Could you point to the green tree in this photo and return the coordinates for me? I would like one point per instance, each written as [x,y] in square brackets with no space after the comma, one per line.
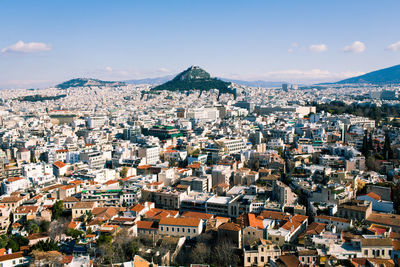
[13,245]
[387,148]
[3,241]
[74,233]
[123,173]
[33,228]
[105,239]
[57,210]
[44,226]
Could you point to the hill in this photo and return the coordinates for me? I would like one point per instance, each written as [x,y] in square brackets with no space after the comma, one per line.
[83,82]
[195,78]
[389,75]
[152,81]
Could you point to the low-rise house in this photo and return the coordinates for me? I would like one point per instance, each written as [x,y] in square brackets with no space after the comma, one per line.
[253,227]
[230,232]
[25,213]
[185,227]
[376,247]
[385,219]
[12,202]
[357,209]
[146,228]
[339,223]
[309,257]
[260,253]
[378,204]
[81,209]
[14,259]
[69,202]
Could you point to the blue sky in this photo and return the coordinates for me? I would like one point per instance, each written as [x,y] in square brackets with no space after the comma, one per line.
[46,42]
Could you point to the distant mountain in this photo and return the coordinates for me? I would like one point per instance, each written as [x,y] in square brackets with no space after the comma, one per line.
[83,82]
[389,75]
[195,78]
[151,81]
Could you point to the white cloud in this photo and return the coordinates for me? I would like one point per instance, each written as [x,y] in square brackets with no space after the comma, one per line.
[318,48]
[108,68]
[355,47]
[293,47]
[394,47]
[21,47]
[164,70]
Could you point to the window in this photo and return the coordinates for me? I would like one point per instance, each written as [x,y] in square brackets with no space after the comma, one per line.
[383,252]
[248,259]
[162,228]
[262,258]
[194,231]
[167,229]
[183,230]
[177,229]
[188,230]
[366,252]
[172,229]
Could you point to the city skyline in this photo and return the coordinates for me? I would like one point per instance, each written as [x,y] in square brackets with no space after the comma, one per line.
[46,43]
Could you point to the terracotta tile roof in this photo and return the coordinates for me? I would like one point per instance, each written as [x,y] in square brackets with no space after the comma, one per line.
[37,236]
[11,199]
[255,222]
[76,182]
[376,242]
[149,225]
[194,165]
[275,215]
[59,164]
[140,262]
[67,259]
[194,222]
[396,244]
[137,208]
[11,256]
[289,260]
[110,182]
[27,209]
[374,196]
[200,215]
[105,212]
[230,227]
[382,262]
[70,199]
[308,252]
[155,213]
[314,229]
[144,167]
[14,179]
[332,218]
[384,219]
[66,187]
[84,205]
[73,225]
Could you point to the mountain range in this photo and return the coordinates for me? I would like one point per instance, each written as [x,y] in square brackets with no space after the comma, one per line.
[389,75]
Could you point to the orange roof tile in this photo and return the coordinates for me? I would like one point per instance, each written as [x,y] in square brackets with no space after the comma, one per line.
[181,221]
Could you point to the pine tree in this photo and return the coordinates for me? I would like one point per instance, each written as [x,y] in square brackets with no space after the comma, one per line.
[387,149]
